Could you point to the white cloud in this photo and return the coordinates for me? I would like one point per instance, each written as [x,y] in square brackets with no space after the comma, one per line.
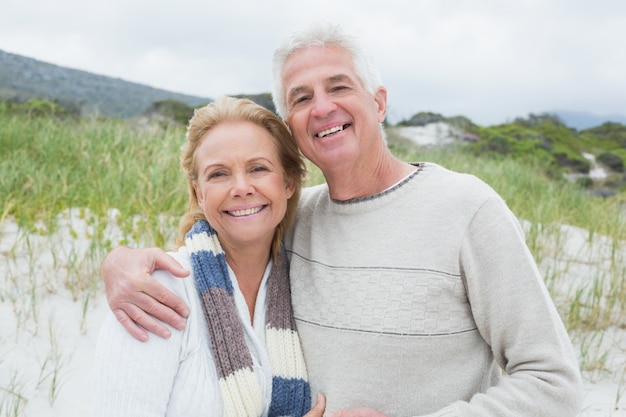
[489,60]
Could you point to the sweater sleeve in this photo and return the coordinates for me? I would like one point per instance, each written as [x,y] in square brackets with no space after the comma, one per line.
[517,318]
[134,378]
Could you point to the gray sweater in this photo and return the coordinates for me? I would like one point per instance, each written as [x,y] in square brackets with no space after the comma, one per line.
[425,300]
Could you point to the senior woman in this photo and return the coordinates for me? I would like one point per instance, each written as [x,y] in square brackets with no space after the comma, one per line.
[239,354]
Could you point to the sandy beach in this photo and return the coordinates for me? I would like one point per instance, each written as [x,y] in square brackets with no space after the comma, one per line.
[52,305]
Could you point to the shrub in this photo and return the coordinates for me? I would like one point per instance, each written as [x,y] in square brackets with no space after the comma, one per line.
[36,107]
[170,110]
[611,160]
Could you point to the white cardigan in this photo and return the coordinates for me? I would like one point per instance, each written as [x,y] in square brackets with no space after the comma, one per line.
[177,376]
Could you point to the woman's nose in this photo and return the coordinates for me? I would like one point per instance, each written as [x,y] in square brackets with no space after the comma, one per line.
[242,186]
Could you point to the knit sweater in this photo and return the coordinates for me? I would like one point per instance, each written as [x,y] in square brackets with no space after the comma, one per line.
[175,376]
[424,300]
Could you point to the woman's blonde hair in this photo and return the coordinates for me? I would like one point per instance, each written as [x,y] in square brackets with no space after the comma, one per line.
[244,110]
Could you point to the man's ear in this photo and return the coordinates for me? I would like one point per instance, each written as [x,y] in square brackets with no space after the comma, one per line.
[381,100]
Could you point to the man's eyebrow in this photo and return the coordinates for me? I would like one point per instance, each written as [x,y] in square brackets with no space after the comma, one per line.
[339,78]
[295,91]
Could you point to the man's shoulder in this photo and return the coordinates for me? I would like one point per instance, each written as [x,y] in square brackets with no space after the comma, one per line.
[463,183]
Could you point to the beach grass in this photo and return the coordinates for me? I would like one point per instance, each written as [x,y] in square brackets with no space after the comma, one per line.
[75,189]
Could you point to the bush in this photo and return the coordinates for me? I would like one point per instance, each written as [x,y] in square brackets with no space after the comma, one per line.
[580,165]
[36,107]
[498,144]
[611,160]
[584,182]
[422,119]
[171,110]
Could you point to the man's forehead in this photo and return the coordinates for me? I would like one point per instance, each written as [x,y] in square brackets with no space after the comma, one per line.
[329,79]
[317,55]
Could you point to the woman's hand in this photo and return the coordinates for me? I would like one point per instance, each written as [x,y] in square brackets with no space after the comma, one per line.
[318,409]
[138,300]
[356,412]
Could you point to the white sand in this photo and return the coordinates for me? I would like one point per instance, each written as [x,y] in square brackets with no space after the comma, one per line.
[432,134]
[48,331]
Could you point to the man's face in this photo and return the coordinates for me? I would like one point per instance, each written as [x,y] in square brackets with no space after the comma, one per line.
[332,117]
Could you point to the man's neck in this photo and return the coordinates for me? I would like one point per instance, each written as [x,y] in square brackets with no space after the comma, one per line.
[353,183]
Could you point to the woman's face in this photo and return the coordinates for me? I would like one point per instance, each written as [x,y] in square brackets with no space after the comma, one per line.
[241,187]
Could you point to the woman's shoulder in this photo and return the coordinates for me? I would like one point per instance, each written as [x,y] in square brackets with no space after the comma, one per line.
[179,286]
[313,193]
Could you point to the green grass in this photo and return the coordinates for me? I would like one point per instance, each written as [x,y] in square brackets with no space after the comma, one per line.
[49,165]
[127,174]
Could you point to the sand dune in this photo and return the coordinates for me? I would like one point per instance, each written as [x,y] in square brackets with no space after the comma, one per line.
[52,305]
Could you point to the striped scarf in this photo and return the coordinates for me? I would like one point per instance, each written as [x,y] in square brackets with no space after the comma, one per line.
[291,394]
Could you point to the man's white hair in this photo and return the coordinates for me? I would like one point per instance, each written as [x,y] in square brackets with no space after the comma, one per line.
[320,35]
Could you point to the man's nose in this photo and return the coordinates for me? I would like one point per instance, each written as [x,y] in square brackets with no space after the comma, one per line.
[322,105]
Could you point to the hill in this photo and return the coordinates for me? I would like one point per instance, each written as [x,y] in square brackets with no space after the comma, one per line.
[592,157]
[23,78]
[551,138]
[582,120]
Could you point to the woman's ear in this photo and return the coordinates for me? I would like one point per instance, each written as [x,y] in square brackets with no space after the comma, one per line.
[196,190]
[290,187]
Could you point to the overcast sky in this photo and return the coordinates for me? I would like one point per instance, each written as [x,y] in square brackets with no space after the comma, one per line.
[489,60]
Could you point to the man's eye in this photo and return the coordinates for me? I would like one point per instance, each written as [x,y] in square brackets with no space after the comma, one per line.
[339,88]
[301,99]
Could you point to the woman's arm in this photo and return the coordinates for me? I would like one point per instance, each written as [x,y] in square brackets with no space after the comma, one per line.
[133,378]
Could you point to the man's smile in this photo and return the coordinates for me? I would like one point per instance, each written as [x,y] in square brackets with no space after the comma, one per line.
[332,130]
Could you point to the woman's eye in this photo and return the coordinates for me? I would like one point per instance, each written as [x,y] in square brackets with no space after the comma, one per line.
[259,168]
[215,174]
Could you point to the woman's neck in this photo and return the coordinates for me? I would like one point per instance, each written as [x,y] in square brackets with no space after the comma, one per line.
[249,267]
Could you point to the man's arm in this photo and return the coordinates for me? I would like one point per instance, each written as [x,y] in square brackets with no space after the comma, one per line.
[138,300]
